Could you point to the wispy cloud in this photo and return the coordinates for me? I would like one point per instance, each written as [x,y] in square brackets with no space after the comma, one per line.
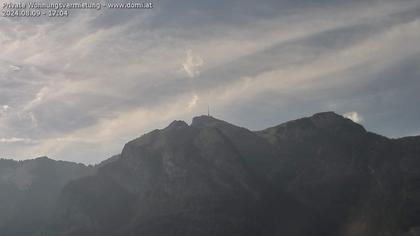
[192,64]
[84,85]
[5,108]
[193,102]
[16,140]
[14,68]
[354,116]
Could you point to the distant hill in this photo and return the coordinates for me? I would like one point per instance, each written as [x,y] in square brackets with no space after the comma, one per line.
[29,190]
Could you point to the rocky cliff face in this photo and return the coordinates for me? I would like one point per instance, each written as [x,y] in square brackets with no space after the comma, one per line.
[29,190]
[321,175]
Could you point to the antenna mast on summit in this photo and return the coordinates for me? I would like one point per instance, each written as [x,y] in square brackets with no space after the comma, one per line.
[208,110]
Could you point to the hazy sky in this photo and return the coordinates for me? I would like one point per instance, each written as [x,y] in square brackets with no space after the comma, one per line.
[79,87]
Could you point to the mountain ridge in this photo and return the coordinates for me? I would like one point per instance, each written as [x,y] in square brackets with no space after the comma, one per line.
[318,175]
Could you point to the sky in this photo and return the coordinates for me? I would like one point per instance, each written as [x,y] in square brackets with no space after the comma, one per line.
[78,88]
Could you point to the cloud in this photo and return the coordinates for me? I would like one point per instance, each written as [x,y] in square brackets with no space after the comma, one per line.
[14,68]
[5,108]
[354,116]
[15,140]
[85,85]
[193,102]
[192,64]
[39,97]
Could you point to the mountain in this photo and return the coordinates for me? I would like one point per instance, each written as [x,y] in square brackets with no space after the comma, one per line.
[29,190]
[109,160]
[319,175]
[367,184]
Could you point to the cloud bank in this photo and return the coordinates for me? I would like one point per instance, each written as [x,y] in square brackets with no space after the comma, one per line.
[78,88]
